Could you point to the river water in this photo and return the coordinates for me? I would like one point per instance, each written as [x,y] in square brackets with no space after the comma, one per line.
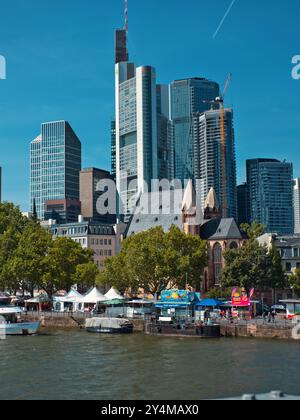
[77,365]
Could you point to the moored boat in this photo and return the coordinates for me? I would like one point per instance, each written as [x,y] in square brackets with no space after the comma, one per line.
[109,325]
[11,323]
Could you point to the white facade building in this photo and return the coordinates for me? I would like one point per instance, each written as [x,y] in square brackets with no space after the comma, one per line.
[296,204]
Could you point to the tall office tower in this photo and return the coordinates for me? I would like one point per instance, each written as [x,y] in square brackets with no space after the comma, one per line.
[55,163]
[90,192]
[113,149]
[242,199]
[187,97]
[121,50]
[208,167]
[164,133]
[270,194]
[296,187]
[136,133]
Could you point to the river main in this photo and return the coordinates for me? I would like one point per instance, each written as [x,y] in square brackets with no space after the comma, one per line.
[77,365]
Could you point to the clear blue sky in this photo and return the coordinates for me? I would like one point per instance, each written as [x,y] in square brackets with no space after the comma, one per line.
[60,66]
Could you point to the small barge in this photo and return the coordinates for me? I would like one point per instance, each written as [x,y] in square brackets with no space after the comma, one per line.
[177,329]
[108,325]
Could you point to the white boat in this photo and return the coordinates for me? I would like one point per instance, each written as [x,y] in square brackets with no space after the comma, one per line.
[109,325]
[11,323]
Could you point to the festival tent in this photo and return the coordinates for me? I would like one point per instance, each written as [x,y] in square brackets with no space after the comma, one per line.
[70,301]
[94,296]
[114,294]
[91,299]
[39,303]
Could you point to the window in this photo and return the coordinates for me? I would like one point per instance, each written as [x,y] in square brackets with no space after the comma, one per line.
[288,267]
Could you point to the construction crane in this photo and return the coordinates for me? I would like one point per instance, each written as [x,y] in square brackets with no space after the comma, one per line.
[220,101]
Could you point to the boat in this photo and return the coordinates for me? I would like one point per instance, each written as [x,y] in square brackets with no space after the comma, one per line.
[11,323]
[108,325]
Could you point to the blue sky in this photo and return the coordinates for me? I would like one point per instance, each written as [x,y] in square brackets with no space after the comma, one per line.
[60,65]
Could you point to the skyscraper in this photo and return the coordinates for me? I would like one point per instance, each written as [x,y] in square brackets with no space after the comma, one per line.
[55,163]
[113,148]
[136,127]
[90,193]
[242,198]
[208,168]
[164,133]
[296,190]
[187,97]
[270,196]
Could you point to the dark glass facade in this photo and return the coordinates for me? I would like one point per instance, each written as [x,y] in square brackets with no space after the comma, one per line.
[55,163]
[270,194]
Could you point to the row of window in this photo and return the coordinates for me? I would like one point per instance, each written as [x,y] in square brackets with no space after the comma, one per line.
[103,252]
[101,241]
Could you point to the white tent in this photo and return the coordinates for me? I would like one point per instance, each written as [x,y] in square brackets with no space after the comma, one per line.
[70,300]
[93,297]
[114,294]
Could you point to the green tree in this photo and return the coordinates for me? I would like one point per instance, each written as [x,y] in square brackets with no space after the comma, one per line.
[294,281]
[217,293]
[61,265]
[154,260]
[253,231]
[28,262]
[277,278]
[249,266]
[12,224]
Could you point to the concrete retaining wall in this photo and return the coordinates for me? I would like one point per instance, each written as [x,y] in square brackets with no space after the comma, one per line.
[258,331]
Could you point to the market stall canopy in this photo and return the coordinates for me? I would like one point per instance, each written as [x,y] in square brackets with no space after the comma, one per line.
[113,302]
[210,303]
[114,294]
[72,297]
[43,298]
[94,296]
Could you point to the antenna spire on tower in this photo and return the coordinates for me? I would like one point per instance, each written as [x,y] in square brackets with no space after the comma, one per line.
[126,15]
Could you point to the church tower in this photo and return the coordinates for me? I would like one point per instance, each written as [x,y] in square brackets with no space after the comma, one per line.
[212,209]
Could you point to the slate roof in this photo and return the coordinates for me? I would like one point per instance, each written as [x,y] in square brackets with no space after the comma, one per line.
[157,209]
[287,241]
[220,229]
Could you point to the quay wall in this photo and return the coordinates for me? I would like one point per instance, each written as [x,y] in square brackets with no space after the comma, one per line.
[254,330]
[258,331]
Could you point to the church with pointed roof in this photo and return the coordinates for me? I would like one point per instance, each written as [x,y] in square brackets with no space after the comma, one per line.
[180,208]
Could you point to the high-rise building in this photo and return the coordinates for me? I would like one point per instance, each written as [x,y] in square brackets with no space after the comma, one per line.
[187,97]
[242,199]
[113,149]
[208,167]
[55,163]
[90,192]
[164,133]
[136,133]
[296,206]
[270,195]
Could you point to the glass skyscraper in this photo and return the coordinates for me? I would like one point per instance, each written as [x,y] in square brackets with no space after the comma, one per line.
[270,194]
[208,167]
[187,97]
[55,164]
